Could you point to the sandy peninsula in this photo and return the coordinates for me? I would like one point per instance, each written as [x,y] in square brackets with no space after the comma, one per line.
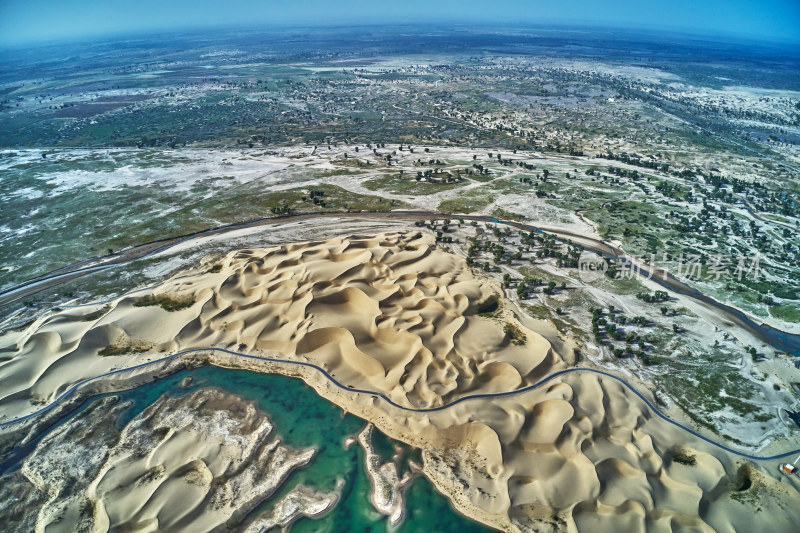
[196,463]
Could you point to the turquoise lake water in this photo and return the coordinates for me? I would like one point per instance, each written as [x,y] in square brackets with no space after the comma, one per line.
[302,419]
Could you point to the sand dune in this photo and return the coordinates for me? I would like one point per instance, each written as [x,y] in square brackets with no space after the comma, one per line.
[184,464]
[393,314]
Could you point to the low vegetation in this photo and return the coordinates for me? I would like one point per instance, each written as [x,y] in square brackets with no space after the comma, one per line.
[748,487]
[167,302]
[410,185]
[123,349]
[469,202]
[515,335]
[683,457]
[94,315]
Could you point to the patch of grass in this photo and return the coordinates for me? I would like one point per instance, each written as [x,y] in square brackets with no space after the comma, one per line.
[652,360]
[160,432]
[94,315]
[748,487]
[789,313]
[515,334]
[151,475]
[542,312]
[331,198]
[537,311]
[216,268]
[763,417]
[122,349]
[167,302]
[502,214]
[622,286]
[469,202]
[542,274]
[483,178]
[683,457]
[697,388]
[408,185]
[338,172]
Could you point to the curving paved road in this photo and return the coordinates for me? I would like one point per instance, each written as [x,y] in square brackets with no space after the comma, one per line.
[388,400]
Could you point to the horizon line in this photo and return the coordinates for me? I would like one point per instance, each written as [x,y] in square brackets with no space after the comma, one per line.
[454,24]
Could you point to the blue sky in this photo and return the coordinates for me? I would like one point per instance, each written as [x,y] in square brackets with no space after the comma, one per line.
[29,21]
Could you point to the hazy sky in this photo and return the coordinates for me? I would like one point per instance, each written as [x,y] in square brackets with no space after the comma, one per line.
[27,21]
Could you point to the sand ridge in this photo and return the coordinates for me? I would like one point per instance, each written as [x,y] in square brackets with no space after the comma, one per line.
[393,314]
[390,313]
[194,463]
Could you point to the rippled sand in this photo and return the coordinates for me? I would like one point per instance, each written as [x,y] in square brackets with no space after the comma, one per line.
[393,314]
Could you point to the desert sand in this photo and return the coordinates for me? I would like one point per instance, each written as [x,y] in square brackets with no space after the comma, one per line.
[184,464]
[394,315]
